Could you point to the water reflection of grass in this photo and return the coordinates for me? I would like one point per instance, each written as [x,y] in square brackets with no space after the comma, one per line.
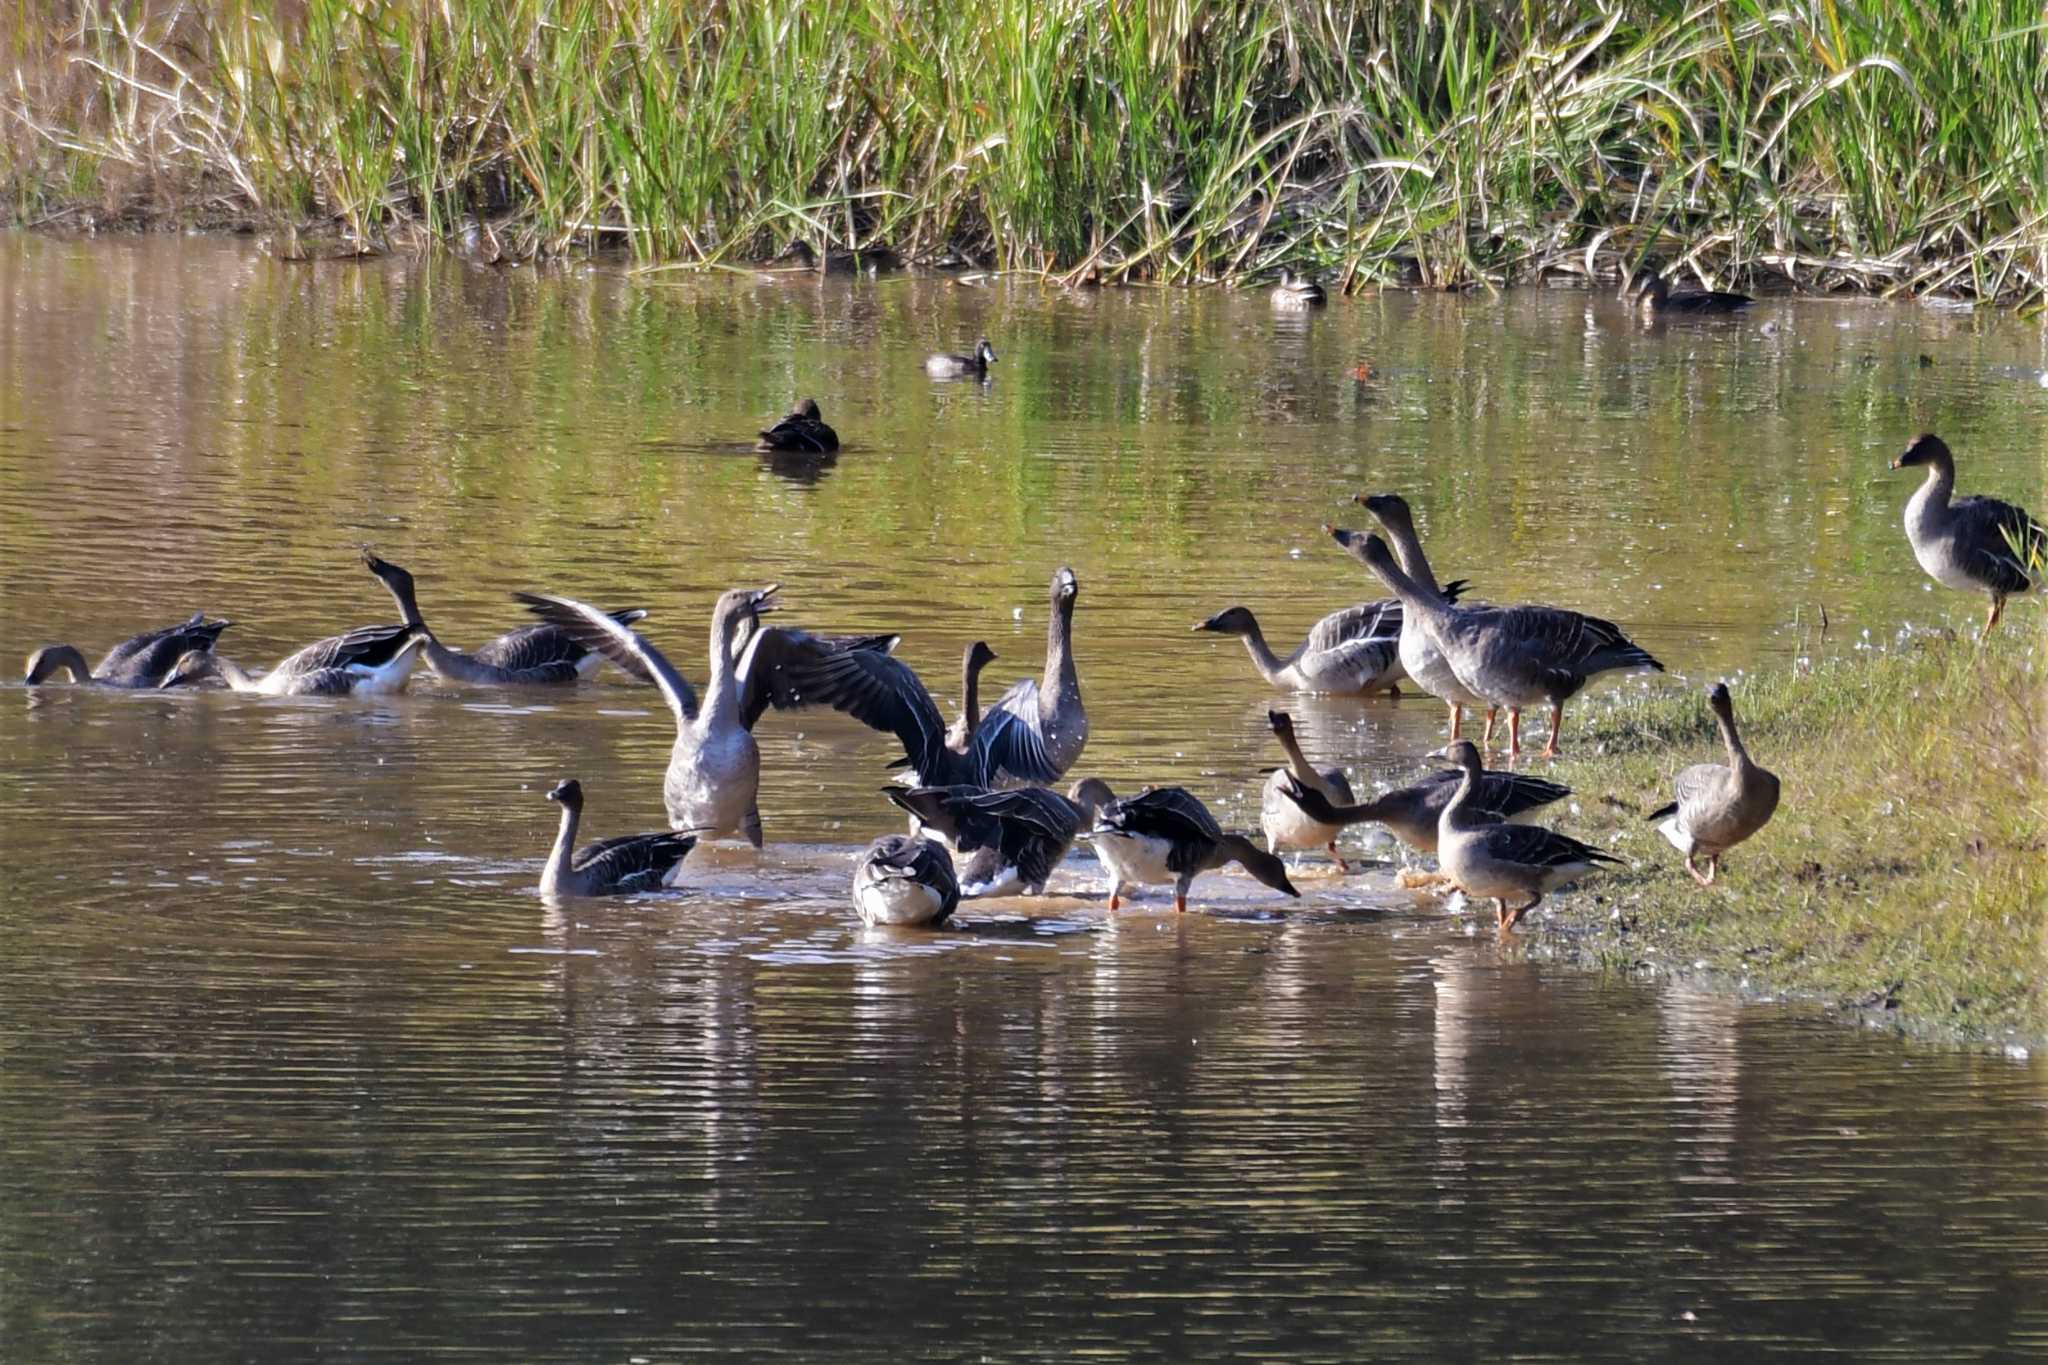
[1870,146]
[1908,866]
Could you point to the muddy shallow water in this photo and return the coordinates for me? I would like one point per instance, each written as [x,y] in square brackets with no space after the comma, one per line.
[294,1063]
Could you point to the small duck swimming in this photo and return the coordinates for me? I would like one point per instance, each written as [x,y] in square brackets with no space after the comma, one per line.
[946,365]
[1296,292]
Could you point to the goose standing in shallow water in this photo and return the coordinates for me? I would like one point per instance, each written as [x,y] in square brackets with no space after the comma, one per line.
[1411,813]
[1967,543]
[1164,834]
[1500,862]
[947,365]
[1282,819]
[1039,727]
[801,429]
[1421,660]
[143,660]
[1719,805]
[902,879]
[1348,653]
[1512,656]
[1012,839]
[609,867]
[537,654]
[368,661]
[1296,292]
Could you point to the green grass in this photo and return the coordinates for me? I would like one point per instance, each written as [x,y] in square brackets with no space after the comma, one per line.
[1906,868]
[1874,147]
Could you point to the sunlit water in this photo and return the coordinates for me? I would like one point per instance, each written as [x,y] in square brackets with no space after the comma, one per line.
[295,1065]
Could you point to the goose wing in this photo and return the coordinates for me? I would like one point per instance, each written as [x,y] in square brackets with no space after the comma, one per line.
[633,862]
[594,629]
[1366,621]
[1008,744]
[363,647]
[1988,529]
[1535,846]
[1170,813]
[547,651]
[776,663]
[1571,642]
[789,668]
[148,657]
[1041,808]
[1509,794]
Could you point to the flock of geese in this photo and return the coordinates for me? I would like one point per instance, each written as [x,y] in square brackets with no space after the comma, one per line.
[987,812]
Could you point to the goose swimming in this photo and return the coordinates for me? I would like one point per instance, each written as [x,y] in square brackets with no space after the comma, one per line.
[365,662]
[143,660]
[802,428]
[609,867]
[1348,653]
[902,879]
[536,654]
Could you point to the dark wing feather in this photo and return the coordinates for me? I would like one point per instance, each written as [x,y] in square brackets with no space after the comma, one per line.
[924,861]
[542,647]
[1988,528]
[633,862]
[788,668]
[1535,846]
[363,647]
[1366,621]
[630,650]
[1008,744]
[777,667]
[1041,808]
[1510,794]
[1572,642]
[1170,813]
[144,660]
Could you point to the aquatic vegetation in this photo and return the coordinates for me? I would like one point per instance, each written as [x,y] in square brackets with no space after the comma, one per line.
[1187,141]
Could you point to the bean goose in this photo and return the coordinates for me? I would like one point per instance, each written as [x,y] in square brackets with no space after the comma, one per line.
[1012,840]
[1421,660]
[947,365]
[1411,813]
[1164,834]
[902,879]
[1719,805]
[1284,822]
[539,654]
[1296,292]
[714,771]
[1969,543]
[1039,727]
[609,867]
[1500,862]
[1512,656]
[368,661]
[885,694]
[143,660]
[1655,298]
[801,429]
[1348,653]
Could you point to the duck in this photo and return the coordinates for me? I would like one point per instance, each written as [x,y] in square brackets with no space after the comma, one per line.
[1424,664]
[947,365]
[609,867]
[1165,834]
[1719,804]
[1969,543]
[1492,860]
[1654,297]
[1013,838]
[1039,727]
[903,879]
[1348,653]
[143,660]
[537,654]
[1282,820]
[1512,656]
[714,772]
[801,429]
[1411,813]
[885,694]
[369,661]
[1296,292]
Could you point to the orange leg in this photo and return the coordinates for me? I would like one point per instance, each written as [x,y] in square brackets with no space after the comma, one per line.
[1997,610]
[1180,903]
[1713,867]
[1693,868]
[1556,724]
[1516,917]
[1514,731]
[1457,714]
[1338,858]
[1116,896]
[1500,915]
[1486,740]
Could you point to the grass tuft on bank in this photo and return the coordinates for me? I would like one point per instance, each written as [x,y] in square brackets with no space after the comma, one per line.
[1877,147]
[1906,871]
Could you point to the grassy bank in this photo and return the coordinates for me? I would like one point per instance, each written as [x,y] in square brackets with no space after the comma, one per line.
[1871,147]
[1906,870]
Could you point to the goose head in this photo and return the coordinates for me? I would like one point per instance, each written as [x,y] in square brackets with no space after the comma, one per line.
[1065,588]
[1230,621]
[1720,701]
[52,658]
[194,665]
[1463,754]
[1282,724]
[984,352]
[1390,508]
[1368,550]
[979,656]
[1091,794]
[808,410]
[1927,448]
[569,792]
[393,576]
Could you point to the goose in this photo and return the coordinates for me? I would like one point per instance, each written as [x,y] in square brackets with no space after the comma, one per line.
[1968,543]
[1512,656]
[1348,653]
[540,654]
[1500,862]
[884,693]
[801,429]
[1039,727]
[714,770]
[946,365]
[1719,805]
[1164,834]
[1295,292]
[902,879]
[368,661]
[1411,813]
[1654,297]
[1284,822]
[143,660]
[1013,838]
[609,867]
[1421,660]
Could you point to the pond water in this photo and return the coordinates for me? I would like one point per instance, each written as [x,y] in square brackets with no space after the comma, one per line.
[295,1065]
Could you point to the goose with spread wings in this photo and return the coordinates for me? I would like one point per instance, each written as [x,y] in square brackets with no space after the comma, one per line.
[884,693]
[1011,840]
[539,654]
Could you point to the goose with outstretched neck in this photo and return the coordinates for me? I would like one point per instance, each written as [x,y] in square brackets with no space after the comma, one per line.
[609,867]
[1514,657]
[1972,544]
[1718,805]
[1281,818]
[368,661]
[1489,860]
[143,660]
[1166,835]
[539,654]
[1411,813]
[1039,727]
[1421,660]
[1348,653]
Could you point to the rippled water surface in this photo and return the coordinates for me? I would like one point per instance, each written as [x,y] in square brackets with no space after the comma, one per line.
[295,1065]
